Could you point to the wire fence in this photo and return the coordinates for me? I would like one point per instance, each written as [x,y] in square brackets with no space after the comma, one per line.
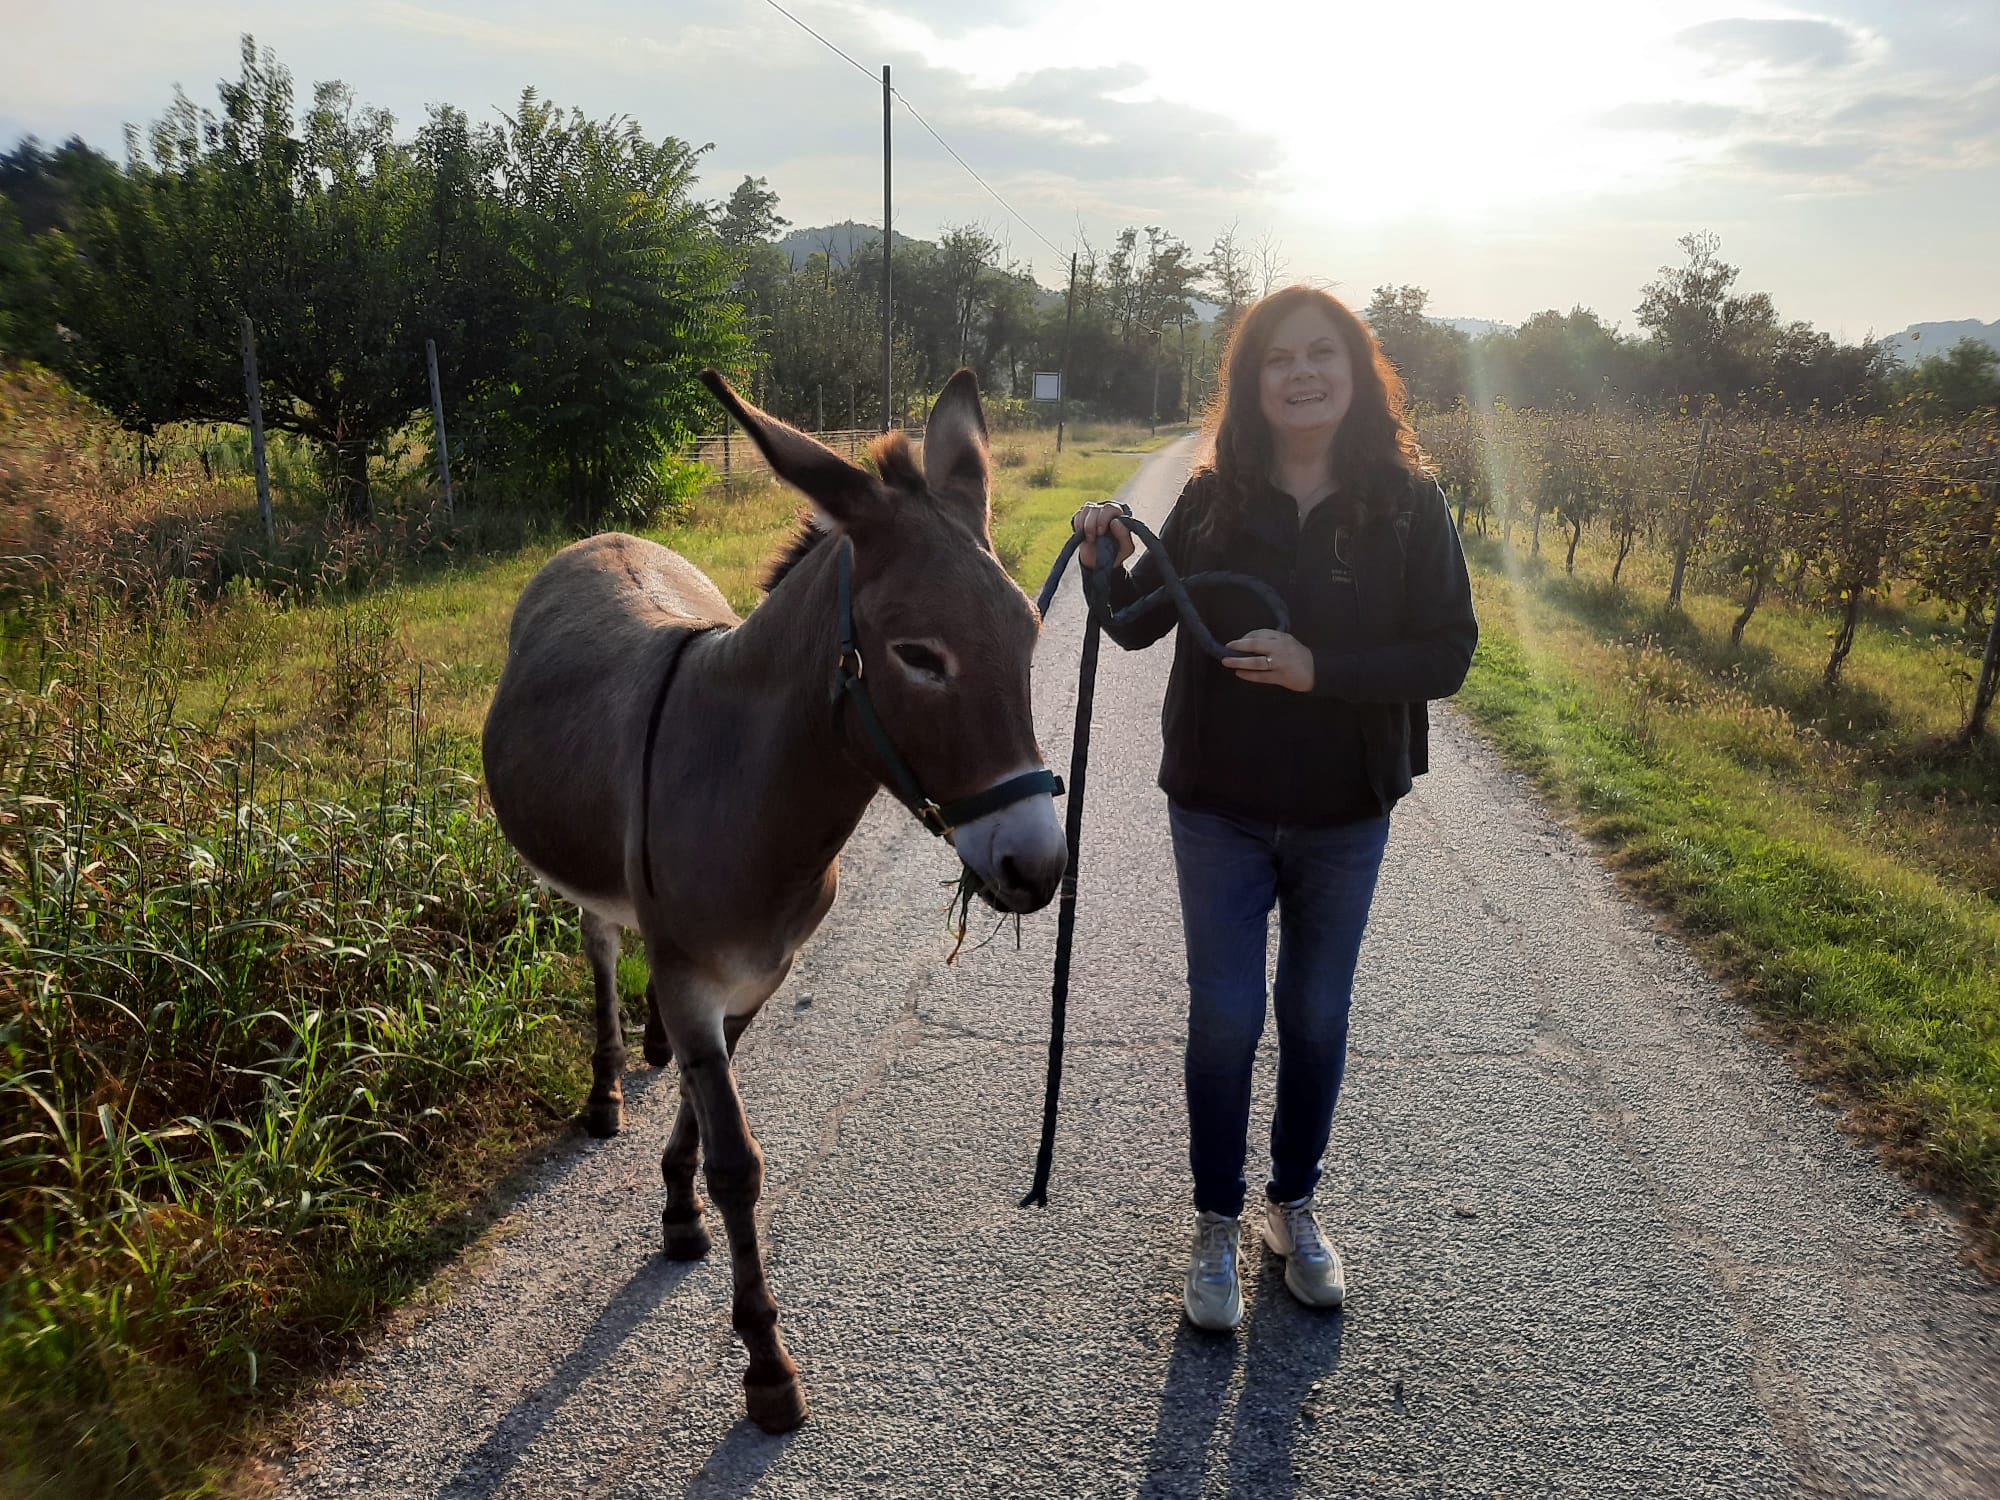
[731,455]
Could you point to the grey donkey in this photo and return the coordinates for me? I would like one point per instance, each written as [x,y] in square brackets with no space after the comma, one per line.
[672,768]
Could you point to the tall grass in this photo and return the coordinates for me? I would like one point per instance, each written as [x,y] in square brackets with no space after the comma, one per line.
[239,1018]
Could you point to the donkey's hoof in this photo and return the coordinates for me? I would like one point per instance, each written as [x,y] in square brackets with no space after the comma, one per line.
[658,1052]
[776,1408]
[604,1118]
[683,1239]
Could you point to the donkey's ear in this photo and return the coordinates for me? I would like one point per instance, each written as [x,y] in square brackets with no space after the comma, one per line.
[843,494]
[956,466]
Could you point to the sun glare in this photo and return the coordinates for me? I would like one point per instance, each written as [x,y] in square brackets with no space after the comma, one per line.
[1447,107]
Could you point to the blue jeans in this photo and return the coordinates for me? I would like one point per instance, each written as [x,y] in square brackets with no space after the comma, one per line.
[1232,870]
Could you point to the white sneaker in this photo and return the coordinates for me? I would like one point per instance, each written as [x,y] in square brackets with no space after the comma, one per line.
[1313,1272]
[1214,1293]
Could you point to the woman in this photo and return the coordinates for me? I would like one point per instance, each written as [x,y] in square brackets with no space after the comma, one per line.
[1282,762]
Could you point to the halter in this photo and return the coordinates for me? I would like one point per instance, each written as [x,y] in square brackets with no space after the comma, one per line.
[850,686]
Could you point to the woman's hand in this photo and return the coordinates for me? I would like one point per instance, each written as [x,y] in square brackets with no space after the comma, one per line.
[1272,657]
[1100,518]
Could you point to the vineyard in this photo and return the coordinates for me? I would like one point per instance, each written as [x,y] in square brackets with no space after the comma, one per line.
[1824,513]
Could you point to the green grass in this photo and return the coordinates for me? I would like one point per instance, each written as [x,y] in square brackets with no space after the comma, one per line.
[277,1003]
[1824,851]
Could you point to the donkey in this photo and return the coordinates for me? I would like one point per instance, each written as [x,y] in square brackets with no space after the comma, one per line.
[672,768]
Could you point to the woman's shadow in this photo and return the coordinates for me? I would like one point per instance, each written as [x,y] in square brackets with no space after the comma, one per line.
[1285,1350]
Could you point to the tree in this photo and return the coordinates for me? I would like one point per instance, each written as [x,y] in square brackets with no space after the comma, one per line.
[1229,280]
[1429,356]
[1564,360]
[1957,383]
[624,294]
[749,216]
[50,188]
[345,247]
[1809,369]
[27,309]
[1711,341]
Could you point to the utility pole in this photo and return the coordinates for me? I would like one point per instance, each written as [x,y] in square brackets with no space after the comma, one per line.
[1156,381]
[1187,386]
[1062,380]
[888,257]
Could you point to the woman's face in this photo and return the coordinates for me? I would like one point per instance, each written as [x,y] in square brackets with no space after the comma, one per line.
[1307,379]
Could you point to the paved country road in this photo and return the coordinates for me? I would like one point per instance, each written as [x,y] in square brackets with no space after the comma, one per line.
[1600,1241]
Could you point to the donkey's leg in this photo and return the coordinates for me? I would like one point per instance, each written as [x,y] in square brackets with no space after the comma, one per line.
[683,1235]
[659,1051]
[735,1169]
[604,1112]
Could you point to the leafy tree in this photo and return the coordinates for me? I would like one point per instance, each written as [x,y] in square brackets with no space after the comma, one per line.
[1429,356]
[27,310]
[344,247]
[1711,341]
[1810,369]
[49,188]
[624,293]
[749,216]
[1230,279]
[1565,360]
[1957,383]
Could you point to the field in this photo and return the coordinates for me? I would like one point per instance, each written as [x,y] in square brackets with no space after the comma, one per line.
[1830,841]
[278,1005]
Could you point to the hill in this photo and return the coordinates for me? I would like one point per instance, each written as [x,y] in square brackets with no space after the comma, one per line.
[1921,340]
[838,241]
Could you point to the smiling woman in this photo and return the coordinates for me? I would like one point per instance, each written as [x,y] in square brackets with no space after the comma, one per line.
[1284,759]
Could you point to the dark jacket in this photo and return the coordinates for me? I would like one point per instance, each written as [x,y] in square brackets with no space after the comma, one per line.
[1385,607]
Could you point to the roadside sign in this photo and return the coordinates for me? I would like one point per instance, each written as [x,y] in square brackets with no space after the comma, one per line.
[1048,385]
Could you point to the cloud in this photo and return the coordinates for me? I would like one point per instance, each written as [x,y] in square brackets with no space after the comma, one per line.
[1683,117]
[955,18]
[1789,43]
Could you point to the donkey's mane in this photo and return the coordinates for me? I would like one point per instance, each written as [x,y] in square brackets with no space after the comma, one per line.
[896,465]
[805,537]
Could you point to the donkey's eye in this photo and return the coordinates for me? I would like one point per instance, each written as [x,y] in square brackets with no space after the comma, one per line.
[921,659]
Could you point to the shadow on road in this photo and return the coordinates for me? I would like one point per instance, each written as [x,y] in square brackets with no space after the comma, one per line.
[737,1463]
[486,1470]
[1284,1350]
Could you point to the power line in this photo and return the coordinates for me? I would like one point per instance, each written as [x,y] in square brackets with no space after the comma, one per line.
[1019,217]
[821,40]
[975,176]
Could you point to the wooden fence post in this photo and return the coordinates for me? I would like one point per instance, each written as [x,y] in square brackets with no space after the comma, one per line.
[437,423]
[250,389]
[1686,543]
[725,456]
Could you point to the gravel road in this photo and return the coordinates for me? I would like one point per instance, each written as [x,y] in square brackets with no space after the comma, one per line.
[1600,1240]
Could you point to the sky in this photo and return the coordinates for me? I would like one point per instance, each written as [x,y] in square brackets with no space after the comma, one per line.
[1508,158]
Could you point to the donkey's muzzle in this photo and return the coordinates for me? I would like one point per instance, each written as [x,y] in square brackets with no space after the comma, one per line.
[1019,854]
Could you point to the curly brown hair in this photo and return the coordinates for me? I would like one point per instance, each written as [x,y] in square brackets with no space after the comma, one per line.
[1375,453]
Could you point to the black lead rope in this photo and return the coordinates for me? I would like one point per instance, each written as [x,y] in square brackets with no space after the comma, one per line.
[1097,595]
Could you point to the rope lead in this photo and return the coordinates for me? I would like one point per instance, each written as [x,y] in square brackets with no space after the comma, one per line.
[1097,595]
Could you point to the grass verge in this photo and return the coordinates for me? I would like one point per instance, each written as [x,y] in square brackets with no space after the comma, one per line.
[1763,819]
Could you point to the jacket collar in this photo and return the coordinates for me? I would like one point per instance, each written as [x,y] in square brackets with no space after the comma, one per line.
[1272,516]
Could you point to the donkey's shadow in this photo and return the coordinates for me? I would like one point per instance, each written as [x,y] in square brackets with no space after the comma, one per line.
[1285,1350]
